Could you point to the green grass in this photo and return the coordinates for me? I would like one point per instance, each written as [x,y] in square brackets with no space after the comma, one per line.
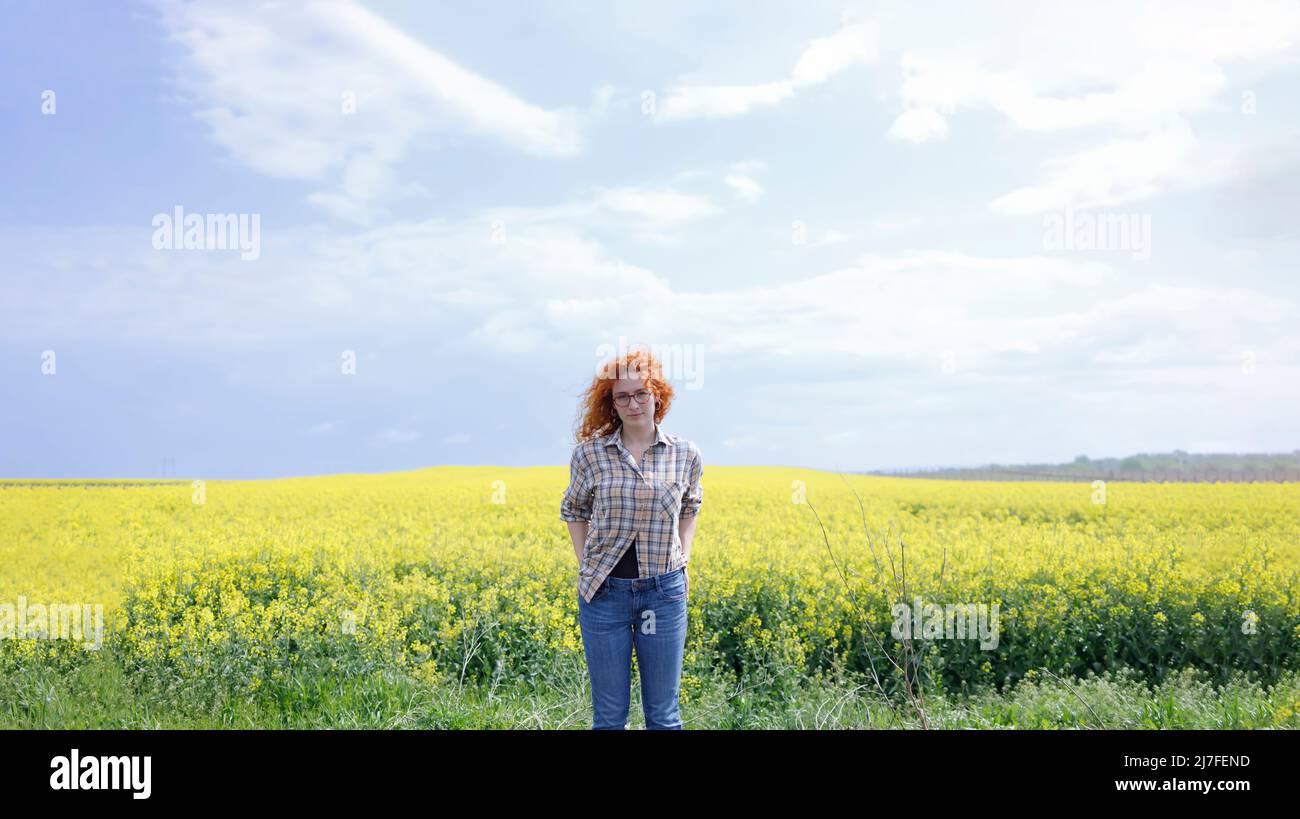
[101,694]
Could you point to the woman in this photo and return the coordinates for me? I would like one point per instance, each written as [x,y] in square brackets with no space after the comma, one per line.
[638,488]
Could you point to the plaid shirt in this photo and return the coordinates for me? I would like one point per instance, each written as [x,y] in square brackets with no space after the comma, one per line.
[626,501]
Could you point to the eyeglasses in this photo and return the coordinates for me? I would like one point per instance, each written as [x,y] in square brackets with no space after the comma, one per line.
[623,398]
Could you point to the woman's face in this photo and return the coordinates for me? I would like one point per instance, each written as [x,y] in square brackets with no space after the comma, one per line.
[634,414]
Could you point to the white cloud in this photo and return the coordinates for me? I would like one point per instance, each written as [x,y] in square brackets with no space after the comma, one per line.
[1119,171]
[1138,74]
[851,46]
[643,213]
[821,59]
[394,435]
[745,187]
[274,81]
[741,179]
[550,284]
[657,204]
[830,236]
[344,207]
[919,125]
[1062,67]
[720,101]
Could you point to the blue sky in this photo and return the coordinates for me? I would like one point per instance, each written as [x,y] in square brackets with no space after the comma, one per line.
[843,211]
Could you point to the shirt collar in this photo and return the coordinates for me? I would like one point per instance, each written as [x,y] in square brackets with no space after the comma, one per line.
[615,438]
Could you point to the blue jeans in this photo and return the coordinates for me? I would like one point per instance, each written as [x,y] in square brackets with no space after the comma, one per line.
[650,614]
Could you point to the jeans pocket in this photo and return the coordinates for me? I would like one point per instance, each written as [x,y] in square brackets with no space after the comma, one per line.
[673,587]
[600,592]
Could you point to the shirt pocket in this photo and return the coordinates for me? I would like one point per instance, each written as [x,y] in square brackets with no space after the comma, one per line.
[670,496]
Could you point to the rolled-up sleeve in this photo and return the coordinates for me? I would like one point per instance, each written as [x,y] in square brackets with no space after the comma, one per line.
[577,501]
[694,495]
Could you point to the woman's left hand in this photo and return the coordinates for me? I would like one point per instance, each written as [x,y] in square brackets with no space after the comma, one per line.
[687,575]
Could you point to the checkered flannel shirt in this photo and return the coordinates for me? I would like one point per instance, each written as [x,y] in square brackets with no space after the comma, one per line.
[624,500]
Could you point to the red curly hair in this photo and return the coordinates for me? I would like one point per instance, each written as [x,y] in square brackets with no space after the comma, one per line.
[596,414]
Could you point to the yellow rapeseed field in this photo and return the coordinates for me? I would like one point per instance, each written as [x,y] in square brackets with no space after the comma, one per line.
[468,572]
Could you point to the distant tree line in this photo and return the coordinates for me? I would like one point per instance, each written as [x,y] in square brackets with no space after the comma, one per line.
[1175,466]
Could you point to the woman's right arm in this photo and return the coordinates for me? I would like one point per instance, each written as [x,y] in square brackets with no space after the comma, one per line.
[576,506]
[578,531]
